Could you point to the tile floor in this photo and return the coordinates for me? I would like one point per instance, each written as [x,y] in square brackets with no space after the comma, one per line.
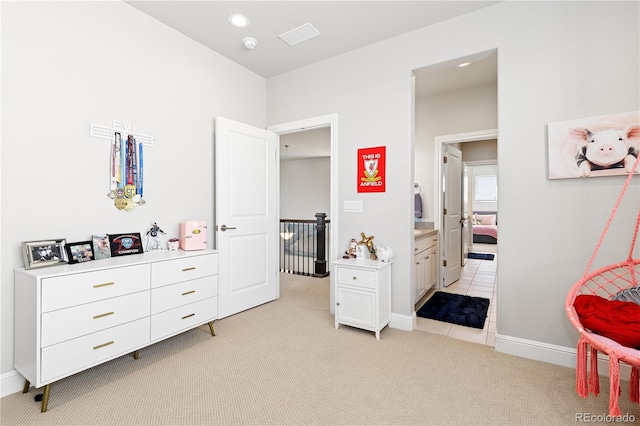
[478,278]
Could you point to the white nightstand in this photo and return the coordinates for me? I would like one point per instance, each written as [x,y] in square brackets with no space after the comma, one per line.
[363,294]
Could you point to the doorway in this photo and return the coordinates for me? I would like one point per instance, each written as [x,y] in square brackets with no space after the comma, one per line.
[453,100]
[330,121]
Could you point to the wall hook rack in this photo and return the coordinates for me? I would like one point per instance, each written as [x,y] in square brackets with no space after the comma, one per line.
[127,164]
[103,132]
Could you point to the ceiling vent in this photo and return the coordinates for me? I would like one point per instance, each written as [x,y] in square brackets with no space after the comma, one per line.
[300,34]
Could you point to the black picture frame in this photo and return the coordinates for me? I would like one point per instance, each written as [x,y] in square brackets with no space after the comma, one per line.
[80,252]
[38,254]
[125,244]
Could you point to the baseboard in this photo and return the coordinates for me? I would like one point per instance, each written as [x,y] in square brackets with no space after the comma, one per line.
[11,382]
[402,322]
[553,354]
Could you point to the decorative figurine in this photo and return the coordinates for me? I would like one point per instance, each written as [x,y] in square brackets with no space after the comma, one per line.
[153,239]
[351,253]
[384,253]
[368,241]
[173,244]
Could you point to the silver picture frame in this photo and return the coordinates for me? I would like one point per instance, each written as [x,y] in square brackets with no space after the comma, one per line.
[38,254]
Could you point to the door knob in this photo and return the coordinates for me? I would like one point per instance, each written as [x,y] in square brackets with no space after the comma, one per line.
[225,227]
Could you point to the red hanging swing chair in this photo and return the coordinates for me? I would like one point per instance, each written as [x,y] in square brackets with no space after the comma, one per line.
[605,307]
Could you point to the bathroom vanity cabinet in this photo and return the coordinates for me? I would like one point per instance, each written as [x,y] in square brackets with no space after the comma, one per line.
[425,263]
[363,294]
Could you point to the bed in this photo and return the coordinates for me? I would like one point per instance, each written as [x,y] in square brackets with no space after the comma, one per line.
[485,227]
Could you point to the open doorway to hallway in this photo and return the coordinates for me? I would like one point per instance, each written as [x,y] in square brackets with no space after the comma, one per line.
[331,122]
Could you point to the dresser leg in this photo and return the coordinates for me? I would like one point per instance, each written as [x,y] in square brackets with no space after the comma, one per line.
[25,389]
[213,333]
[136,354]
[45,398]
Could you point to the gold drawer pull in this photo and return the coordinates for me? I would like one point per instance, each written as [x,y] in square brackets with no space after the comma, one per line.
[188,292]
[187,316]
[104,284]
[189,269]
[103,315]
[103,345]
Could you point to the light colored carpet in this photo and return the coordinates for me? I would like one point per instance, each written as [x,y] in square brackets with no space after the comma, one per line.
[284,363]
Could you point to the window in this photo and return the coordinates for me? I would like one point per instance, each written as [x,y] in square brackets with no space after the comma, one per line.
[486,188]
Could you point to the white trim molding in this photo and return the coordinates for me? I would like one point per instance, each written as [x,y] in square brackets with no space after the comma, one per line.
[10,383]
[402,322]
[553,354]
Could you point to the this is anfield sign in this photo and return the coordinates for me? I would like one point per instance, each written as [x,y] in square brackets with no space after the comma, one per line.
[371,169]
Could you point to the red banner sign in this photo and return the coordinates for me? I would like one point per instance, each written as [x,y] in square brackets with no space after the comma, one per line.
[371,169]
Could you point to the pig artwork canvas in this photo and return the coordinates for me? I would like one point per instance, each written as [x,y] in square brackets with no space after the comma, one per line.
[607,145]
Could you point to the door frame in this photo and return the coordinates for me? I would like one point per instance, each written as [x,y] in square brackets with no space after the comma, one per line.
[439,149]
[440,141]
[331,121]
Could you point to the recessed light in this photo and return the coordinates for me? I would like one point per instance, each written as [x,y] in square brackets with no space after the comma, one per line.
[238,20]
[464,64]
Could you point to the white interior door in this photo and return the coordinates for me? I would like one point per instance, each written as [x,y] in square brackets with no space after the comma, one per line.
[452,214]
[246,216]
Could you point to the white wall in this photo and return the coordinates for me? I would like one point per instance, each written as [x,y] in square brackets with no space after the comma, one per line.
[68,64]
[461,111]
[547,72]
[305,188]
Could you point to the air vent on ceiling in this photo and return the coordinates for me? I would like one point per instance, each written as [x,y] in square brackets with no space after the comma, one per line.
[300,34]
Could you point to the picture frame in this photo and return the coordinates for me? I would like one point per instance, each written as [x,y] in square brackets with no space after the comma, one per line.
[101,246]
[125,244]
[38,254]
[79,252]
[574,146]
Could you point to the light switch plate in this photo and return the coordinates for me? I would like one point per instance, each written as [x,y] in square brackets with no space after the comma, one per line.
[352,206]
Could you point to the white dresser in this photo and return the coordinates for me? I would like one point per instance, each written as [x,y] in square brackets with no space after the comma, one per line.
[69,318]
[363,294]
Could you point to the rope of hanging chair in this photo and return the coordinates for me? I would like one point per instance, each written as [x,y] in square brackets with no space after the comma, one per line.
[612,215]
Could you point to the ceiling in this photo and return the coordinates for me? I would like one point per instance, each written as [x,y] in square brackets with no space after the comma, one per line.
[343,26]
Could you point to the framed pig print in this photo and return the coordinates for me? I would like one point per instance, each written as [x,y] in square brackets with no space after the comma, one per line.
[607,145]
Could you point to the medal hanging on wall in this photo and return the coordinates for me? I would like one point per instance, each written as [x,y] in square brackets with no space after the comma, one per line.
[126,180]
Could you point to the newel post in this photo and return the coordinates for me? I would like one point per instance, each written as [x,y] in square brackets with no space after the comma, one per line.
[321,262]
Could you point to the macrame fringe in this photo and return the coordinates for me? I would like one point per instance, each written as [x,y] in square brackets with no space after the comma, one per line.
[614,386]
[594,377]
[634,385]
[581,368]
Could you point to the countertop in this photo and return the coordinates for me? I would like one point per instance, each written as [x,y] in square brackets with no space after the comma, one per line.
[423,233]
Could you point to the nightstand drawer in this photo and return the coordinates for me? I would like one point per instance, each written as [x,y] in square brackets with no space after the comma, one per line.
[183,318]
[75,289]
[177,270]
[172,296]
[65,324]
[75,355]
[356,277]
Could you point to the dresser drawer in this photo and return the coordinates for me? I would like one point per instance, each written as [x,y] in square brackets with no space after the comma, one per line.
[177,270]
[69,357]
[70,290]
[183,318]
[65,324]
[172,296]
[356,277]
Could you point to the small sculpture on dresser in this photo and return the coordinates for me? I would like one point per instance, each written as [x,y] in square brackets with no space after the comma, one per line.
[384,253]
[368,241]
